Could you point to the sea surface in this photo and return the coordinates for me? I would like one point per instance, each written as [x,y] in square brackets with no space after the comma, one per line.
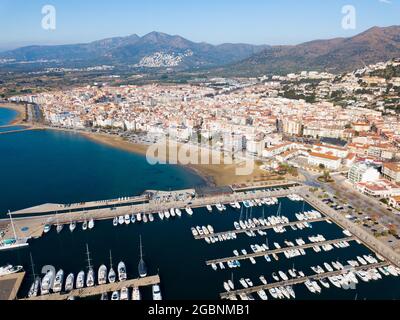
[46,166]
[6,116]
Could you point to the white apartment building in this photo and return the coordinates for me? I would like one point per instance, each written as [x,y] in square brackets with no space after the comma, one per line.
[363,172]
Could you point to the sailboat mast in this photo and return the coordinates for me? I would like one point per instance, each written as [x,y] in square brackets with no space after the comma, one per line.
[33,266]
[88,256]
[12,224]
[141,253]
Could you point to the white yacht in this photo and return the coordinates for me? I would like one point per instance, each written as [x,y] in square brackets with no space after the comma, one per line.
[209,208]
[90,278]
[167,214]
[46,282]
[263,280]
[136,294]
[102,275]
[91,224]
[133,218]
[115,296]
[121,220]
[69,283]
[124,294]
[35,287]
[157,293]
[127,219]
[151,217]
[139,217]
[9,269]
[115,221]
[189,211]
[172,212]
[72,226]
[80,280]
[58,281]
[145,218]
[178,212]
[84,225]
[122,276]
[47,228]
[59,228]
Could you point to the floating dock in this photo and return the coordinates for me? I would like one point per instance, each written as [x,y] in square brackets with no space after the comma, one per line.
[98,290]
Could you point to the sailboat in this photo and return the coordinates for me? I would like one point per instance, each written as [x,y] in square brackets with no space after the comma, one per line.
[102,275]
[111,274]
[122,276]
[34,289]
[90,274]
[80,280]
[84,225]
[16,243]
[59,226]
[142,268]
[69,283]
[72,226]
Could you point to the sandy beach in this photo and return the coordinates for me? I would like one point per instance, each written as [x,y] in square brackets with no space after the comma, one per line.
[215,174]
[21,116]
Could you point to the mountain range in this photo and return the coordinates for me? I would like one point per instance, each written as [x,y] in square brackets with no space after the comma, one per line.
[132,49]
[334,55]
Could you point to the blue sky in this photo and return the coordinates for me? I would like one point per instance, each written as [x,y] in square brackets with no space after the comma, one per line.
[213,21]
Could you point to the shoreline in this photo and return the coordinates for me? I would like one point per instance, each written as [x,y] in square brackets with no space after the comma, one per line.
[217,175]
[20,118]
[213,174]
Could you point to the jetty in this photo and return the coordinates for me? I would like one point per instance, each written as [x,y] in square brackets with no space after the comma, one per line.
[259,228]
[98,290]
[271,252]
[10,284]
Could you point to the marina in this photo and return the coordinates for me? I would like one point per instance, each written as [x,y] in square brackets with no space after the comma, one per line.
[321,230]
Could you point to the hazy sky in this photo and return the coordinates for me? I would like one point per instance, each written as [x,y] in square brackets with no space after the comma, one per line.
[213,21]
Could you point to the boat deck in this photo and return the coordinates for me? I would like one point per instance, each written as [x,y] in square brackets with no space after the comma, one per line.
[98,290]
[9,285]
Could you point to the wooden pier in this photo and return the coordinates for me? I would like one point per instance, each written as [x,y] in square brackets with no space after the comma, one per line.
[9,285]
[98,290]
[301,280]
[260,228]
[271,252]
